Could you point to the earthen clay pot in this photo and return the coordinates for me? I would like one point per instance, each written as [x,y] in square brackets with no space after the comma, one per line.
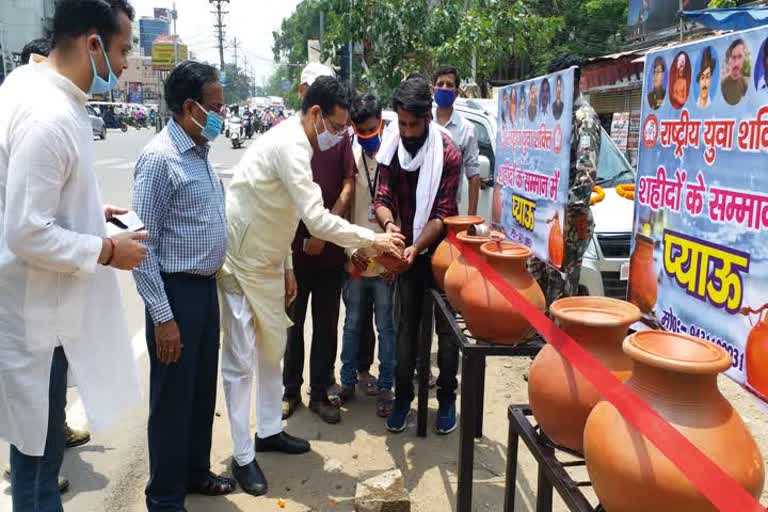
[676,375]
[488,314]
[560,397]
[445,252]
[643,288]
[460,270]
[556,245]
[757,355]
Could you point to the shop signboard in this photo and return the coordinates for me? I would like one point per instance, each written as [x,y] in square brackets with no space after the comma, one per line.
[699,262]
[135,92]
[620,130]
[533,162]
[164,53]
[648,16]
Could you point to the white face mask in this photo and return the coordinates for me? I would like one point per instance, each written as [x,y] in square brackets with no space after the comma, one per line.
[327,140]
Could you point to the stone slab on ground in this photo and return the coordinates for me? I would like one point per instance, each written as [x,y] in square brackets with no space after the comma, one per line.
[382,492]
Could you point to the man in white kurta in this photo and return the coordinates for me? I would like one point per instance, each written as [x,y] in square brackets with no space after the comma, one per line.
[271,190]
[60,307]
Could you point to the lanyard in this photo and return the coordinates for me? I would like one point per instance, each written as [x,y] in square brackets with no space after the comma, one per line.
[372,186]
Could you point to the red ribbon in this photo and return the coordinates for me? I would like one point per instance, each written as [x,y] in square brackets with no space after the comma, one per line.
[717,486]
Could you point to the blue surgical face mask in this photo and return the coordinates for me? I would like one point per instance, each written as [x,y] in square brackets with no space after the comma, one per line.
[370,144]
[98,84]
[213,123]
[445,97]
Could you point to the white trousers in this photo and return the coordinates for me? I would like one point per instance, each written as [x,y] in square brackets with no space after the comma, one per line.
[239,360]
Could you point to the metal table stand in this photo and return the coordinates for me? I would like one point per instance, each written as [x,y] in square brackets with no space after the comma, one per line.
[552,472]
[472,391]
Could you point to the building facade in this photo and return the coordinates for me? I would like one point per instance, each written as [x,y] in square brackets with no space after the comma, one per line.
[140,76]
[20,22]
[149,30]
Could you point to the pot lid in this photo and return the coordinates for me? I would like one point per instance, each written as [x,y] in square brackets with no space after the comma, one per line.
[463,220]
[595,311]
[676,352]
[506,250]
[466,238]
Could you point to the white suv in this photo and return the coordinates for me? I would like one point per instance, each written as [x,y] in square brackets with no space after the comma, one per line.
[605,268]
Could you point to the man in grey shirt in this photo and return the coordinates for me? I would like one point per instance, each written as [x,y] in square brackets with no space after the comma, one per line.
[445,88]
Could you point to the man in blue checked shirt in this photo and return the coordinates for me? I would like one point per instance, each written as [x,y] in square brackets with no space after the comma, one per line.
[181,201]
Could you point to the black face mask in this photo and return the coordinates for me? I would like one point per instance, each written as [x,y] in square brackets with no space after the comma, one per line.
[413,144]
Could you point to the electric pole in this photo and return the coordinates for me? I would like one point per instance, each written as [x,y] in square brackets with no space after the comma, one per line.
[174,15]
[235,45]
[219,26]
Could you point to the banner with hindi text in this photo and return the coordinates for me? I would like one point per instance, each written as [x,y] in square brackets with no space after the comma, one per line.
[533,151]
[699,260]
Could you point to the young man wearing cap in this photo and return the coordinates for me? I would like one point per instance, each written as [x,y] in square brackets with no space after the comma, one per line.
[319,269]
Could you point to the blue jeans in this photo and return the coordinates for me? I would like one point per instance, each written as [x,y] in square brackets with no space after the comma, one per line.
[356,292]
[34,480]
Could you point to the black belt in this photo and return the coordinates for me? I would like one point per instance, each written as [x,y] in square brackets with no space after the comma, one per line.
[187,275]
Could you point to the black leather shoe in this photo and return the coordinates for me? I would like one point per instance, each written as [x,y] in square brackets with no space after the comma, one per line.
[328,412]
[250,478]
[282,442]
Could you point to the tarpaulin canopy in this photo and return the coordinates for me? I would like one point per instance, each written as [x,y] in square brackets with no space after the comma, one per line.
[736,18]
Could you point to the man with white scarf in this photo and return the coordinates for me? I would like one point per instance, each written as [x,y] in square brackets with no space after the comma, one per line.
[420,169]
[271,190]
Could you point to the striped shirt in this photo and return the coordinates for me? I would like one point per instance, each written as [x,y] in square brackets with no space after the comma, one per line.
[180,199]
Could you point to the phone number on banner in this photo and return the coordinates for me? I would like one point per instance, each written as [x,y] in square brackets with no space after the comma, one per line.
[672,323]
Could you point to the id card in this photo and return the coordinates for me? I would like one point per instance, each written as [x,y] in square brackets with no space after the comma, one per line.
[372,214]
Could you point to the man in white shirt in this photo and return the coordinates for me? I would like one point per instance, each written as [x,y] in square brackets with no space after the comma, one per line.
[60,309]
[271,190]
[445,89]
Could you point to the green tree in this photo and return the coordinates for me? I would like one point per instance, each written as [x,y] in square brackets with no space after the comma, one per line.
[238,86]
[589,28]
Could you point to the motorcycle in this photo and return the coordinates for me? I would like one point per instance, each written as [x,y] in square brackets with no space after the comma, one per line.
[236,132]
[114,121]
[248,126]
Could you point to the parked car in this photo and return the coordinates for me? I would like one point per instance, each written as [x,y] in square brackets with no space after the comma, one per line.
[605,269]
[97,123]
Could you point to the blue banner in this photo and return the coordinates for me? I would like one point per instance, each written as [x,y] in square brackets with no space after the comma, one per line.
[533,150]
[699,261]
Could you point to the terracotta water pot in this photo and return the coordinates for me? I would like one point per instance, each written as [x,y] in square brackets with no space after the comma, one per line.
[556,245]
[445,252]
[757,355]
[676,375]
[560,397]
[643,288]
[488,314]
[460,270]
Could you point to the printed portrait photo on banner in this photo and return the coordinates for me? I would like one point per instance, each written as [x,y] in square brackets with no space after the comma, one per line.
[680,80]
[557,106]
[707,77]
[736,71]
[512,102]
[506,121]
[761,65]
[533,99]
[521,103]
[545,97]
[656,80]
